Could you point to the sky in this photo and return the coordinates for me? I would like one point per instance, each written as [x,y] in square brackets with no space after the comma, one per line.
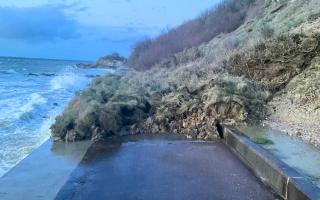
[87,29]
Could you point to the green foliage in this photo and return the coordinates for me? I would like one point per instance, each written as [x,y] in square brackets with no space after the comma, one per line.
[261,140]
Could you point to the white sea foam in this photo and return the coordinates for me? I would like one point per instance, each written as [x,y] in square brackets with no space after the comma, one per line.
[19,146]
[67,80]
[27,112]
[13,109]
[33,101]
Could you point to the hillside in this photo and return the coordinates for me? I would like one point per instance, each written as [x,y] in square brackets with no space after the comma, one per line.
[264,69]
[226,17]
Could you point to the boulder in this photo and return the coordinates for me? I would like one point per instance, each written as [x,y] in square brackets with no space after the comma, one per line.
[110,61]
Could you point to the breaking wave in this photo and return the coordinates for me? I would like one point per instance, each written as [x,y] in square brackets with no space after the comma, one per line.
[32,94]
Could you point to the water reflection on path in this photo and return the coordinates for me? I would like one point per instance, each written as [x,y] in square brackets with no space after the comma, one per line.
[42,173]
[297,154]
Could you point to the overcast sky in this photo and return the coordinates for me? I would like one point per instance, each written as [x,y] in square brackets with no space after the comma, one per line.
[87,29]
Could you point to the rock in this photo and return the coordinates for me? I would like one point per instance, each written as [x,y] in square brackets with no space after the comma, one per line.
[113,60]
[85,65]
[110,61]
[298,134]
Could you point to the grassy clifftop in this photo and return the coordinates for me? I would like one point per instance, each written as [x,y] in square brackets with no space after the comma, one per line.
[232,76]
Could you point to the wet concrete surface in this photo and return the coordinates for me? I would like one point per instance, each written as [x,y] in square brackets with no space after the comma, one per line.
[162,169]
[41,175]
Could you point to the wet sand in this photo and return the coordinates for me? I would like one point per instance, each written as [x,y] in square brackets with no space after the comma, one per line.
[162,169]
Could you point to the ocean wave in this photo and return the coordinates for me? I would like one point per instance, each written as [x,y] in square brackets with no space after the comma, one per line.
[26,113]
[34,100]
[68,80]
[18,145]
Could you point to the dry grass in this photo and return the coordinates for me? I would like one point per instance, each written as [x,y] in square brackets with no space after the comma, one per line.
[225,18]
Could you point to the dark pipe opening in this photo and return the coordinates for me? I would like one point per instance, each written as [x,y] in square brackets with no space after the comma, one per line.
[219,128]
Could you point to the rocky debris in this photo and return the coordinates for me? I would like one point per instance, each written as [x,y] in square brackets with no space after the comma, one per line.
[115,105]
[292,73]
[276,61]
[227,100]
[110,61]
[305,87]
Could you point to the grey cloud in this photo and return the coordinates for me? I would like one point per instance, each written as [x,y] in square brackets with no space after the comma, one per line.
[42,23]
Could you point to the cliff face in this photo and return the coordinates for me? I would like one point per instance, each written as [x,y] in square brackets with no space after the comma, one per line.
[265,69]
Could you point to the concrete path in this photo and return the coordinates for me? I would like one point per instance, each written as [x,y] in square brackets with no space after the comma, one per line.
[162,169]
[41,175]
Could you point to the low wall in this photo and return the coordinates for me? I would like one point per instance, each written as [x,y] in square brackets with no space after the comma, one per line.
[284,180]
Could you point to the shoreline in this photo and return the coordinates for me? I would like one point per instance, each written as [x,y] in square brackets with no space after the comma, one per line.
[25,157]
[34,92]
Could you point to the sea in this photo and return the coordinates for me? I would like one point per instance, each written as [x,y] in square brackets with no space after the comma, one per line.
[32,93]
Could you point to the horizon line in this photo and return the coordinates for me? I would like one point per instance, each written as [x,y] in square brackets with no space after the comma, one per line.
[39,58]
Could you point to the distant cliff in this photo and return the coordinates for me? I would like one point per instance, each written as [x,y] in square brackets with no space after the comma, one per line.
[109,61]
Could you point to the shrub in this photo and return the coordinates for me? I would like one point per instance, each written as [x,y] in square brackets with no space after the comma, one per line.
[108,105]
[266,31]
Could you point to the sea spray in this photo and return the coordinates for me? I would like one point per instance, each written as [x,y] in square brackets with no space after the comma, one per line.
[68,79]
[33,101]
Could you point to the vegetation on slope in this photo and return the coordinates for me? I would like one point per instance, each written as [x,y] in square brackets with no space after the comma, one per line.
[229,79]
[274,62]
[225,18]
